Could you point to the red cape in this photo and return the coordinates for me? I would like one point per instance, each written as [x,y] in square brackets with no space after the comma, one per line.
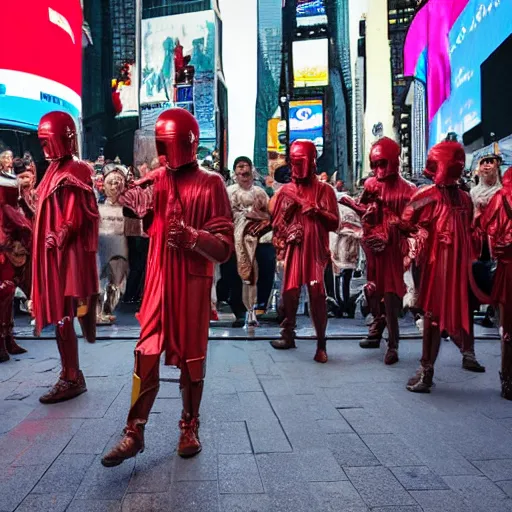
[65,199]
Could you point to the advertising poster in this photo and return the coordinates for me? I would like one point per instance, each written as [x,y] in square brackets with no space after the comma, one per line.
[41,66]
[311,63]
[481,27]
[311,12]
[307,122]
[124,92]
[178,67]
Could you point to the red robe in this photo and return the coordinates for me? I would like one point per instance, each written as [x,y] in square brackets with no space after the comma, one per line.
[386,268]
[445,214]
[496,221]
[65,200]
[305,263]
[175,312]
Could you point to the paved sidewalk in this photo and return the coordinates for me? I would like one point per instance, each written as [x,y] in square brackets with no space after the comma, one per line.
[280,433]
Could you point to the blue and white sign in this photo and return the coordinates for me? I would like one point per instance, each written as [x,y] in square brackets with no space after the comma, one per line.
[311,12]
[307,122]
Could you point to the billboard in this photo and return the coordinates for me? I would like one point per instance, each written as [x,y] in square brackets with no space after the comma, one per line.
[178,68]
[311,12]
[41,65]
[125,96]
[307,122]
[451,64]
[311,63]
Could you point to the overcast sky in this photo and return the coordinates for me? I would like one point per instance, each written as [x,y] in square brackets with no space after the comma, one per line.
[239,27]
[240,67]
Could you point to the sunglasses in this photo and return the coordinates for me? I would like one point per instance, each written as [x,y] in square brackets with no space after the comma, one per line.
[378,164]
[487,161]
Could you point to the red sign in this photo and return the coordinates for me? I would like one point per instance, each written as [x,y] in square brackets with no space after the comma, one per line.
[44,38]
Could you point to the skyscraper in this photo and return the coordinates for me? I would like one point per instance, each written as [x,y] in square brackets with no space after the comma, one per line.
[269,70]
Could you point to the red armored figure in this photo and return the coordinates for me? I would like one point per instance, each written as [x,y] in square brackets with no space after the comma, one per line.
[381,205]
[497,223]
[441,216]
[64,273]
[191,230]
[15,235]
[305,212]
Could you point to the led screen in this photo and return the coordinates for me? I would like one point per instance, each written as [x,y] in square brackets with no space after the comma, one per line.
[178,68]
[479,30]
[311,63]
[311,12]
[40,60]
[307,122]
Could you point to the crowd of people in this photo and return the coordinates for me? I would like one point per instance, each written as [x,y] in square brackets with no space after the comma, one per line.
[200,240]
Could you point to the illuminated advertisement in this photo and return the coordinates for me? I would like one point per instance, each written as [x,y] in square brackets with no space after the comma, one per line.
[124,92]
[311,63]
[178,68]
[41,65]
[311,12]
[478,27]
[307,122]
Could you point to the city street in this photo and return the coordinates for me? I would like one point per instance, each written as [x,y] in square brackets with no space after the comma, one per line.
[279,432]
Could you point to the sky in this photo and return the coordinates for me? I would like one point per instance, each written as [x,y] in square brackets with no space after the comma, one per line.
[240,67]
[239,19]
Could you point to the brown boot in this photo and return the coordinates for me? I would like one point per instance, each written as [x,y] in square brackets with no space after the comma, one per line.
[506,386]
[422,381]
[130,445]
[12,347]
[189,443]
[283,344]
[391,356]
[321,356]
[4,355]
[470,363]
[65,390]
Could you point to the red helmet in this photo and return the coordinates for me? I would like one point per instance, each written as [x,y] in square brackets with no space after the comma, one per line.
[507,179]
[57,133]
[445,162]
[385,158]
[303,159]
[177,137]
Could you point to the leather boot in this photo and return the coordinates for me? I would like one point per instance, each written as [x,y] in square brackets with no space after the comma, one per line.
[10,343]
[422,382]
[506,386]
[192,384]
[374,333]
[470,363]
[319,319]
[145,386]
[290,300]
[189,444]
[130,445]
[88,321]
[392,306]
[71,382]
[4,355]
[506,353]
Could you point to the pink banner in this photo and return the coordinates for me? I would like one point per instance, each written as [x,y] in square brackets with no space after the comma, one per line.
[429,30]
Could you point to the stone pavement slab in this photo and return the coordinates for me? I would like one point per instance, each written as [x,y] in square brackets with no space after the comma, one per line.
[280,433]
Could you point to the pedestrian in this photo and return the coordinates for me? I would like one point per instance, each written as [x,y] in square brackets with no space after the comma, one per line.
[192,229]
[249,204]
[65,277]
[441,216]
[304,213]
[496,222]
[380,207]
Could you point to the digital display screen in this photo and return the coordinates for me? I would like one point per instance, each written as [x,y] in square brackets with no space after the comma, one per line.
[311,12]
[40,60]
[307,122]
[479,30]
[178,68]
[311,63]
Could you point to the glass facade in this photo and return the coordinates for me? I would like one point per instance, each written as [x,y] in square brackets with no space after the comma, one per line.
[269,71]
